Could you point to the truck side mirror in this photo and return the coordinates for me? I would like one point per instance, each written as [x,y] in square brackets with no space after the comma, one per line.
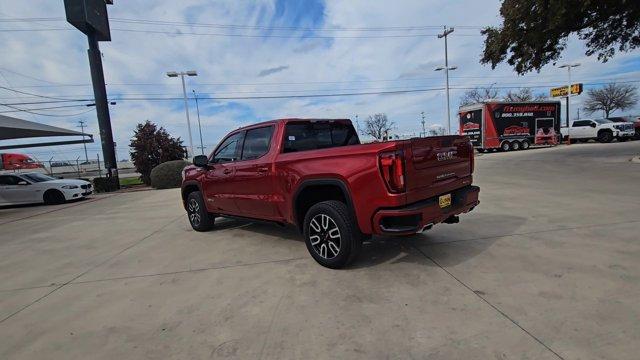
[592,125]
[201,161]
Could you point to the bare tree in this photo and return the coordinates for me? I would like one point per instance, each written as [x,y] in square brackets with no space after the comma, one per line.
[378,126]
[478,95]
[523,94]
[610,98]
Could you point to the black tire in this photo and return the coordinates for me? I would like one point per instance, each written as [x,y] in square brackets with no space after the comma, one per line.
[605,136]
[53,197]
[515,146]
[505,146]
[525,145]
[320,223]
[199,218]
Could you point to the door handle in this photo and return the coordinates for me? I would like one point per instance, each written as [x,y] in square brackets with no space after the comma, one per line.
[262,170]
[226,171]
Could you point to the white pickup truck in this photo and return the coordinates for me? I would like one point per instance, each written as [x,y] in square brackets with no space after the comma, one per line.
[598,129]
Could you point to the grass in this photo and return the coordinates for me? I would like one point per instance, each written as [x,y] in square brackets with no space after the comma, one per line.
[130,181]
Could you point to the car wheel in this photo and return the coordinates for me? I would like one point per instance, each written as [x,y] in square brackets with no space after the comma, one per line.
[331,235]
[53,197]
[515,145]
[199,218]
[605,136]
[506,146]
[525,145]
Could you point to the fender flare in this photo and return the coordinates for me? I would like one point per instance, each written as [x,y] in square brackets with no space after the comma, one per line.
[322,181]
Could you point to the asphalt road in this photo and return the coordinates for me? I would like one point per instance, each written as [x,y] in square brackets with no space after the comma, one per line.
[547,267]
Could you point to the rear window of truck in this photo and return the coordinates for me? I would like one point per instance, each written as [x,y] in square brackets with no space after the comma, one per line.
[318,135]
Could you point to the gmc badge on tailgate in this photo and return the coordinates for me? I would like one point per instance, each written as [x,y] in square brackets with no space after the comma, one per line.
[446,155]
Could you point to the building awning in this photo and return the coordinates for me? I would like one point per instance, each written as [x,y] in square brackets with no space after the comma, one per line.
[12,128]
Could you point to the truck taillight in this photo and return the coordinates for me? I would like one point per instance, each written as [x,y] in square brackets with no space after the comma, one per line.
[392,169]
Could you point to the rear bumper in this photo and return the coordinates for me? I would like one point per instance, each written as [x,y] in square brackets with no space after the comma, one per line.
[418,216]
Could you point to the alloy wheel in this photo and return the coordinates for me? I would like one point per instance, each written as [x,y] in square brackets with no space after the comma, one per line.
[324,236]
[194,212]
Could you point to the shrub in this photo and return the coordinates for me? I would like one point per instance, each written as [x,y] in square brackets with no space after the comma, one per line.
[168,174]
[102,184]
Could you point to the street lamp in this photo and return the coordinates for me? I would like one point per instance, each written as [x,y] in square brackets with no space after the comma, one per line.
[446,69]
[424,132]
[568,67]
[186,105]
[199,127]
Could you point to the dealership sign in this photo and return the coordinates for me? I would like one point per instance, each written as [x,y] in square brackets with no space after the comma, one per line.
[576,89]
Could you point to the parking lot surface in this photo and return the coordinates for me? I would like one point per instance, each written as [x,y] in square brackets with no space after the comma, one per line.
[546,267]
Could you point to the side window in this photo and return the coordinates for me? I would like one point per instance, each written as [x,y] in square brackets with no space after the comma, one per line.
[256,142]
[580,123]
[9,180]
[318,135]
[229,149]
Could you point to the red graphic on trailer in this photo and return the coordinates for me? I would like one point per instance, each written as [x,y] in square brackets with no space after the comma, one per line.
[516,130]
[470,126]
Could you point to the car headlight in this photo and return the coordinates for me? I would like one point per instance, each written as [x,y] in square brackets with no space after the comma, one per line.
[70,186]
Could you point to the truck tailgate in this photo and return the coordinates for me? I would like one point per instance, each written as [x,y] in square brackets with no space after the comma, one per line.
[435,165]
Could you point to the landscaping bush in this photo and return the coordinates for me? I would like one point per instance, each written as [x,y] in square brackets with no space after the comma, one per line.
[168,174]
[102,184]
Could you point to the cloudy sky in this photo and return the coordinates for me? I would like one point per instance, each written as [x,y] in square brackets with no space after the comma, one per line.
[262,48]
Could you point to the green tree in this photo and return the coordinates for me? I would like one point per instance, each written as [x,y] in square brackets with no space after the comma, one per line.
[535,32]
[151,146]
[610,98]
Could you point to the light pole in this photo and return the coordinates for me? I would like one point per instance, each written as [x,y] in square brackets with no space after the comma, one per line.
[424,131]
[446,69]
[568,67]
[199,126]
[186,104]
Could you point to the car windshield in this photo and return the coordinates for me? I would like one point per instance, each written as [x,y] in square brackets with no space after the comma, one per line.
[35,177]
[602,121]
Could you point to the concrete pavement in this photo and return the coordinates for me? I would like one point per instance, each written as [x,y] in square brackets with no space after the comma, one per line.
[548,266]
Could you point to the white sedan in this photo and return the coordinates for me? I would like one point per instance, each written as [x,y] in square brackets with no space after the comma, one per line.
[30,188]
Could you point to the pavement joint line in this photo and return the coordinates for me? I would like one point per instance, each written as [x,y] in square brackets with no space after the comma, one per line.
[532,232]
[231,266]
[87,201]
[88,270]
[273,317]
[490,304]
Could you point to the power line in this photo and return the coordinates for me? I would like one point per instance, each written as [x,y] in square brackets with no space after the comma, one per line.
[31,94]
[44,108]
[41,114]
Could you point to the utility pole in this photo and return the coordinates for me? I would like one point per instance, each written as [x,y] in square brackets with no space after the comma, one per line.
[445,34]
[568,67]
[357,125]
[86,156]
[424,132]
[186,104]
[199,126]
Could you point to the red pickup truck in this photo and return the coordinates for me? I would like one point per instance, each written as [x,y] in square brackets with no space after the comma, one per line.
[316,175]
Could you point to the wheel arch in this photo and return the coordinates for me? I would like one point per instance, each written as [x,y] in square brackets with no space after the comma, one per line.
[306,195]
[187,188]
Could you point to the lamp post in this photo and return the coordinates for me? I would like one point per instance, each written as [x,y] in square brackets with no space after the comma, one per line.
[424,131]
[199,126]
[186,104]
[568,67]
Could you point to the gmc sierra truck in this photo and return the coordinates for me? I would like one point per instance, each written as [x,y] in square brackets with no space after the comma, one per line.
[316,175]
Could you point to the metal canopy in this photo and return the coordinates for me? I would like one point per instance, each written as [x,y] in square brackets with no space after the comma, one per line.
[12,128]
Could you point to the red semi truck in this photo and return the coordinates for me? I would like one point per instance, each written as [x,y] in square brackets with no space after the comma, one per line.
[17,162]
[511,125]
[316,175]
